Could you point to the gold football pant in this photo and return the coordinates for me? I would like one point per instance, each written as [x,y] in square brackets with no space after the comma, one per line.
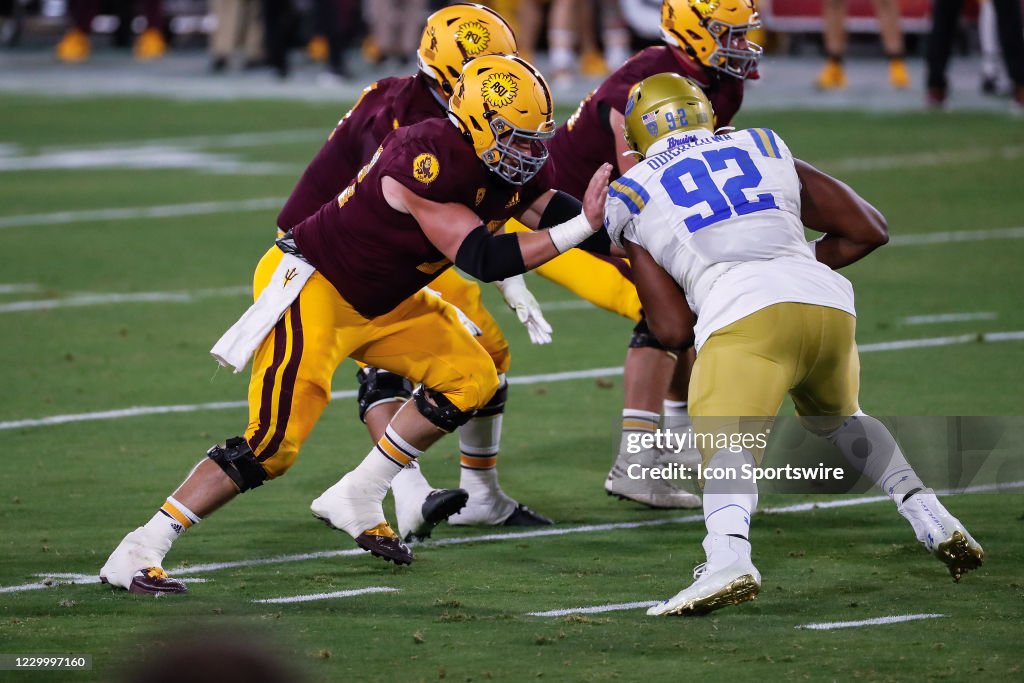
[744,371]
[465,295]
[591,278]
[421,339]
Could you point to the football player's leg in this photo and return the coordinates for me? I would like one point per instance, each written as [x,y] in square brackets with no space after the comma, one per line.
[827,401]
[289,387]
[421,339]
[739,380]
[419,506]
[646,376]
[480,438]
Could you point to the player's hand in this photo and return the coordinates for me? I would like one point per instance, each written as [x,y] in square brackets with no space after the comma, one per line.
[522,301]
[597,194]
[470,326]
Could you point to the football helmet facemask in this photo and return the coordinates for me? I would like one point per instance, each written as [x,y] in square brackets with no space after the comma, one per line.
[714,32]
[664,104]
[458,33]
[502,106]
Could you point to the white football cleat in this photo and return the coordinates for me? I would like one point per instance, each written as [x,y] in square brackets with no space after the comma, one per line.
[727,578]
[358,511]
[417,516]
[942,534]
[655,493]
[135,565]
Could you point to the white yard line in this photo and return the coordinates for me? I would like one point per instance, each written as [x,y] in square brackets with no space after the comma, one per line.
[936,318]
[138,212]
[983,337]
[924,159]
[19,288]
[597,609]
[89,299]
[328,596]
[880,621]
[957,236]
[191,570]
[232,140]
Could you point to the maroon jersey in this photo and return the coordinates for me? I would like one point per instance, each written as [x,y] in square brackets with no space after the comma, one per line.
[384,106]
[586,140]
[377,257]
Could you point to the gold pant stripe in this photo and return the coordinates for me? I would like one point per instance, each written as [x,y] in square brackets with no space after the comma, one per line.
[282,392]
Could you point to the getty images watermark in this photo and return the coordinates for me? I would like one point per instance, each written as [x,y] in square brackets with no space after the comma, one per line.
[680,442]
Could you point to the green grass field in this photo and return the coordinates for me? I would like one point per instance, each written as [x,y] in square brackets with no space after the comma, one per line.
[70,491]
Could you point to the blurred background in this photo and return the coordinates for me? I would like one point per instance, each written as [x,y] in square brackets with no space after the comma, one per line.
[818,52]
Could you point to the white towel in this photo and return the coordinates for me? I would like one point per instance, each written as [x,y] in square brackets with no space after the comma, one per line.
[238,344]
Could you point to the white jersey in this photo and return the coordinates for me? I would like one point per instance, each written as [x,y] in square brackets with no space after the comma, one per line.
[721,214]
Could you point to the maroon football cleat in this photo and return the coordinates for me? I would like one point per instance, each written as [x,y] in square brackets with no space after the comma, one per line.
[381,541]
[154,581]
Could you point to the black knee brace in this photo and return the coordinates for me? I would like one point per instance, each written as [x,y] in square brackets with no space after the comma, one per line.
[380,386]
[643,338]
[496,406]
[442,413]
[238,462]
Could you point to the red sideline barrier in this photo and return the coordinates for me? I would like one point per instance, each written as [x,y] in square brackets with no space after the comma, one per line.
[804,16]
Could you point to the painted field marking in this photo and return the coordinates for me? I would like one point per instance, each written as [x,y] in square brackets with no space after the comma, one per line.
[948,318]
[81,299]
[879,621]
[257,139]
[19,287]
[925,159]
[134,213]
[957,236]
[328,596]
[898,345]
[513,536]
[597,609]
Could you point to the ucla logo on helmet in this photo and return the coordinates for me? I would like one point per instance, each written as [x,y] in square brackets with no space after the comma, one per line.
[499,89]
[473,38]
[650,121]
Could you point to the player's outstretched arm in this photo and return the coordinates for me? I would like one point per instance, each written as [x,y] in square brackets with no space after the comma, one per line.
[460,235]
[668,313]
[853,228]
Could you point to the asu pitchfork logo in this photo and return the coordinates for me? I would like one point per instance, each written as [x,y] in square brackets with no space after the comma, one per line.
[289,276]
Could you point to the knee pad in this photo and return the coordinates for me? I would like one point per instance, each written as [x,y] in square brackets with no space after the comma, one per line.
[496,406]
[643,338]
[442,413]
[238,462]
[380,386]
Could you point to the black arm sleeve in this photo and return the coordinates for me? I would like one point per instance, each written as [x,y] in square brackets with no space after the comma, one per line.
[490,257]
[561,208]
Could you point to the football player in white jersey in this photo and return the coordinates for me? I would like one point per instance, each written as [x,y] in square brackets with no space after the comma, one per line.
[714,228]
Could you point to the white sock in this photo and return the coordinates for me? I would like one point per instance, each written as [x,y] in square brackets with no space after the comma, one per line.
[870,447]
[171,520]
[561,53]
[636,424]
[380,466]
[410,483]
[728,503]
[617,48]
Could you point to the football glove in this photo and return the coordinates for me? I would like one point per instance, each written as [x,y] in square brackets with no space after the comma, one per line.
[525,305]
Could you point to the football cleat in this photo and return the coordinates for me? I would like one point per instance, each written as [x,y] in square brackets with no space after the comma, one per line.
[524,516]
[899,77]
[655,493]
[154,581]
[74,47]
[942,534]
[716,584]
[136,553]
[351,508]
[150,45]
[417,519]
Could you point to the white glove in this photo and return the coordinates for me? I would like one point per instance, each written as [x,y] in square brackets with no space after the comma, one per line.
[470,326]
[522,301]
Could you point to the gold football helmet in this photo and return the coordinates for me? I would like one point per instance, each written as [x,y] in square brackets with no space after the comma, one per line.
[664,104]
[714,32]
[503,107]
[458,33]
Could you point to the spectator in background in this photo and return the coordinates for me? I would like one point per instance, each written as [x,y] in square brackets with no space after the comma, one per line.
[75,48]
[278,26]
[239,24]
[395,27]
[338,22]
[945,14]
[572,19]
[833,76]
